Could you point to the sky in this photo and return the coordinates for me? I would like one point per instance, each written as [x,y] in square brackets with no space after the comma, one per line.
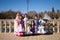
[34,5]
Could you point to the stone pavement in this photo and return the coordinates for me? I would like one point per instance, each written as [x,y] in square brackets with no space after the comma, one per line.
[11,36]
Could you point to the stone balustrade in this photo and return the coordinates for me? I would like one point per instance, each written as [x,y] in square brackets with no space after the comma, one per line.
[7,25]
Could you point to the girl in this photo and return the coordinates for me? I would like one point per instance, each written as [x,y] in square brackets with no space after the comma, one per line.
[25,22]
[35,25]
[41,27]
[19,27]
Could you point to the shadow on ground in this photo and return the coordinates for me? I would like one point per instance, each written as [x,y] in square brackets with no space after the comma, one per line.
[36,34]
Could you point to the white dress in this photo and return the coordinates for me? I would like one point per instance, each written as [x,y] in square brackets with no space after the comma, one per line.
[41,27]
[25,22]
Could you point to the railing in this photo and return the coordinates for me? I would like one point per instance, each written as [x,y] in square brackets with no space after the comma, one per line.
[57,26]
[7,25]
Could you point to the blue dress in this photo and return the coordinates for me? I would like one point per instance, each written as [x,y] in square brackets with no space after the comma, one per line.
[41,27]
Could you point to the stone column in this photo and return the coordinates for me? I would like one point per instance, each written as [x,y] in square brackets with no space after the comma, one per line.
[5,26]
[10,26]
[53,25]
[57,26]
[0,26]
